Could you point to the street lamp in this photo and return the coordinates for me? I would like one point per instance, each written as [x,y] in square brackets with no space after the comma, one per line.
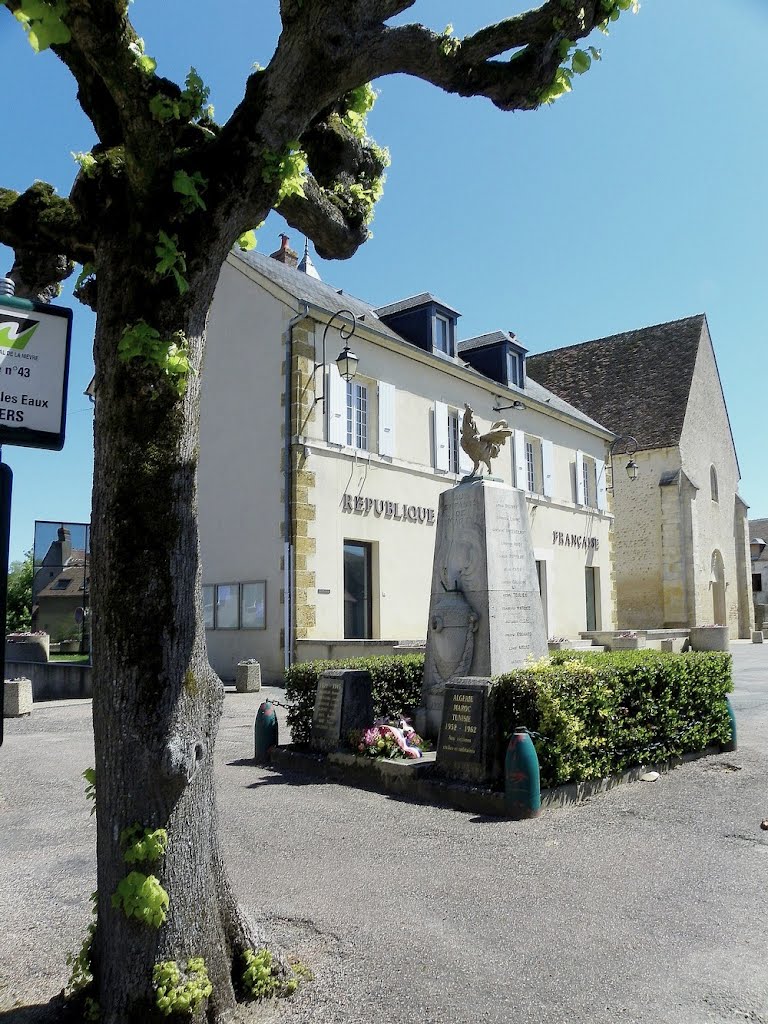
[630,447]
[346,360]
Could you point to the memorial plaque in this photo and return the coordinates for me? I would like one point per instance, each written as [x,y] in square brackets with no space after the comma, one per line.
[326,718]
[461,731]
[343,702]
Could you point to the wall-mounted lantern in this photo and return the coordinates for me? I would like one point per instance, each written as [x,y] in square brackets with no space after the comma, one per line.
[346,361]
[630,447]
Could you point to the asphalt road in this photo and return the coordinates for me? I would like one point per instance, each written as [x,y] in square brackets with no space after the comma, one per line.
[643,905]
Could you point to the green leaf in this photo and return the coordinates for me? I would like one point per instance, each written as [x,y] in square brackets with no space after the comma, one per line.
[189,186]
[581,62]
[88,271]
[247,241]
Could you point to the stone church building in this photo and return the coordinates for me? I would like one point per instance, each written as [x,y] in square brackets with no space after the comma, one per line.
[681,533]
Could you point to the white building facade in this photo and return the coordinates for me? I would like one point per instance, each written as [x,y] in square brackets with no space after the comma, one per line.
[318,497]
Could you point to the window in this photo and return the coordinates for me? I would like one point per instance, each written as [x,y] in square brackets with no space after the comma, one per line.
[589,482]
[235,605]
[253,605]
[357,590]
[713,483]
[453,442]
[208,607]
[357,415]
[443,341]
[757,582]
[226,606]
[530,466]
[514,368]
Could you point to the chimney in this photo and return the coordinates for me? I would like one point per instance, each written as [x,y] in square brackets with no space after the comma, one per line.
[285,254]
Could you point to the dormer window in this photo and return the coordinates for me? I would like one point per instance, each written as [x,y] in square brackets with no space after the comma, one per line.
[424,321]
[515,368]
[443,340]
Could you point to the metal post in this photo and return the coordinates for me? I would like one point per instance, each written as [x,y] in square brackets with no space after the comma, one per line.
[6,486]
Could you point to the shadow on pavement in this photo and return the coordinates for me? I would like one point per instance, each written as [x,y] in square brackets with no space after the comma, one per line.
[53,1012]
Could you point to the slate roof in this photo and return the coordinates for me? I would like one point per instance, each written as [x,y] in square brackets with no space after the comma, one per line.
[318,293]
[313,290]
[635,383]
[758,528]
[483,340]
[413,303]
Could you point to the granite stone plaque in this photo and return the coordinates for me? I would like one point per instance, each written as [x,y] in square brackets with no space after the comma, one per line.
[326,717]
[461,731]
[343,702]
[466,748]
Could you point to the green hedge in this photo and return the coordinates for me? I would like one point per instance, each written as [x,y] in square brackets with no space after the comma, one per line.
[396,687]
[603,713]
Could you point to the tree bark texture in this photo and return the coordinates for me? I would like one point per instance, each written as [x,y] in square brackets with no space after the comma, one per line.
[157,703]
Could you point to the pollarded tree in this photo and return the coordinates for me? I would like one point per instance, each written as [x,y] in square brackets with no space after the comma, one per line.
[152,214]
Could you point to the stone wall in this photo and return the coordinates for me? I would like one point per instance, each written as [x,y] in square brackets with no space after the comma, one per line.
[708,456]
[54,680]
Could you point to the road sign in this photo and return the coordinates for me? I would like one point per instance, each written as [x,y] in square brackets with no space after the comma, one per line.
[34,368]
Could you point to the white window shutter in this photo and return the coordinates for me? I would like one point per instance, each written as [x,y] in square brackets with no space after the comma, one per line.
[336,403]
[386,419]
[548,468]
[521,472]
[602,504]
[580,478]
[441,436]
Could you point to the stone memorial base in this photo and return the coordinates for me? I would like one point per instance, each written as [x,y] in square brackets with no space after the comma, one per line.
[343,703]
[17,698]
[248,677]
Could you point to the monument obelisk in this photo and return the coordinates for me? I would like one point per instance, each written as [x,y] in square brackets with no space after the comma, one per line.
[485,610]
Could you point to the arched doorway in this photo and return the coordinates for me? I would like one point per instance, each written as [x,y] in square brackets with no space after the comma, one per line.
[717,583]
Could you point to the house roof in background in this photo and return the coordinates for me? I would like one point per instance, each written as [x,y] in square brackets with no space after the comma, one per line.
[70,582]
[635,383]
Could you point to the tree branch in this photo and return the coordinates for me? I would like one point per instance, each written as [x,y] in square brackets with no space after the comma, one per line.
[39,221]
[315,215]
[465,66]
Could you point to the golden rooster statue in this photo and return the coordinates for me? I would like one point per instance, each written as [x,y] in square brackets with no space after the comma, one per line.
[482,447]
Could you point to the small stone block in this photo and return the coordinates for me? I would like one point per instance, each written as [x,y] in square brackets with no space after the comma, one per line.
[17,698]
[757,636]
[248,677]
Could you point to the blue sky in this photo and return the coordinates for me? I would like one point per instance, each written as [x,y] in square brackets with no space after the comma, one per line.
[639,198]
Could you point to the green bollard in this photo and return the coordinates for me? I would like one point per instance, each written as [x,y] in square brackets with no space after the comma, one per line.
[522,785]
[732,717]
[264,732]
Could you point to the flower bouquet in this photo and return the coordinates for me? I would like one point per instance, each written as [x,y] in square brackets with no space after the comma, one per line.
[388,739]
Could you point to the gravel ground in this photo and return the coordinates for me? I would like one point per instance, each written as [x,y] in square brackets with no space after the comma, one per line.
[641,905]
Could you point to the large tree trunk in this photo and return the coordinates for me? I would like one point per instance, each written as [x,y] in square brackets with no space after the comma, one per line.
[157,703]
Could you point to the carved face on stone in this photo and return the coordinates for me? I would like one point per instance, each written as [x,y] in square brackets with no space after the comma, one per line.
[452,626]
